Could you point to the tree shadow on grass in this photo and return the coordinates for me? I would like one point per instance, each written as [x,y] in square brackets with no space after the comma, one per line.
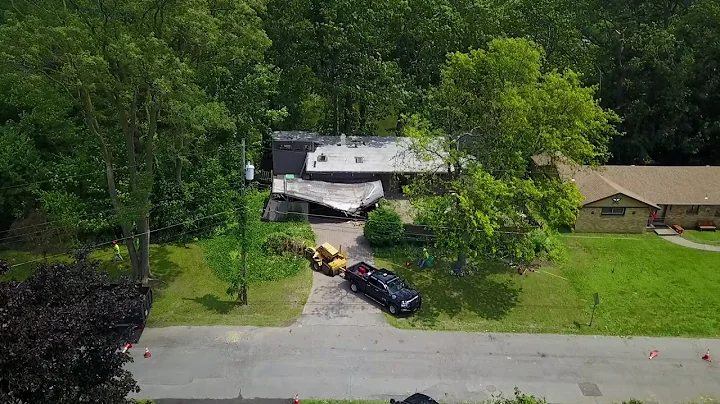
[448,295]
[213,302]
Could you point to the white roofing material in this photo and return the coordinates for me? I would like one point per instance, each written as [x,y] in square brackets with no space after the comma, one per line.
[350,198]
[392,156]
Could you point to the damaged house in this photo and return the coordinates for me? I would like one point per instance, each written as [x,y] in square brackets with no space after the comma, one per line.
[347,174]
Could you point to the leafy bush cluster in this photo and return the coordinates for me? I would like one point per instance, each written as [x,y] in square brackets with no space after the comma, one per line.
[384,227]
[266,243]
[281,243]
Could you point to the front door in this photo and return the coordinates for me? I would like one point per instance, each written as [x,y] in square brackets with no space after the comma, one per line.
[660,214]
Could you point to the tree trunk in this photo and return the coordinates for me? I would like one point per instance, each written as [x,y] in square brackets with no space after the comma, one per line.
[143,273]
[125,223]
[337,114]
[347,114]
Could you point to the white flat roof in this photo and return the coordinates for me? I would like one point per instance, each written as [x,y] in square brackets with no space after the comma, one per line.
[391,156]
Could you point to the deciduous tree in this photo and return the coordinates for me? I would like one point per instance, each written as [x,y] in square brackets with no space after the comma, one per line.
[491,113]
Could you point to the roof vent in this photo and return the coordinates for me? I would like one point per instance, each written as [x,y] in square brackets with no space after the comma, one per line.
[359,160]
[322,158]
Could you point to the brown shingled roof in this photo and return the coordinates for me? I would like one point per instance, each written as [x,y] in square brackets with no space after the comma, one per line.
[654,185]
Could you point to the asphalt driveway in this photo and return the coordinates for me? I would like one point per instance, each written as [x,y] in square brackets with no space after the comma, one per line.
[330,301]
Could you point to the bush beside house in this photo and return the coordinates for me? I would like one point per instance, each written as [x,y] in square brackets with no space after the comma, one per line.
[384,227]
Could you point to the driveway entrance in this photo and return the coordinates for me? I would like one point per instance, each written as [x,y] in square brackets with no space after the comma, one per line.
[330,301]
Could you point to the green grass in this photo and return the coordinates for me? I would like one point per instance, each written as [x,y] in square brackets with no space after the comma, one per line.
[192,279]
[703,237]
[647,286]
[187,292]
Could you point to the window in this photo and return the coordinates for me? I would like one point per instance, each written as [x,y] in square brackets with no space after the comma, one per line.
[613,211]
[693,209]
[286,146]
[359,160]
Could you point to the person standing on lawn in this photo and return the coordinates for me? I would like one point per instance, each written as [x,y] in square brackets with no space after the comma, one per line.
[425,258]
[117,252]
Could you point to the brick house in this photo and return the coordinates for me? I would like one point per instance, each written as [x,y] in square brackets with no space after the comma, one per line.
[634,199]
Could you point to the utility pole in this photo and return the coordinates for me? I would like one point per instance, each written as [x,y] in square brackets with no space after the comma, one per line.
[243,190]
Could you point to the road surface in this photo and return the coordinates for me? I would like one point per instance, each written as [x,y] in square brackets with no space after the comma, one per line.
[236,364]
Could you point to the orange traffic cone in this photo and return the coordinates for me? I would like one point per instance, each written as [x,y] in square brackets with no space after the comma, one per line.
[706,357]
[297,399]
[147,353]
[126,347]
[653,354]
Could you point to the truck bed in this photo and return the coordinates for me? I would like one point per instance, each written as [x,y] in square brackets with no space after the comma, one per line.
[354,269]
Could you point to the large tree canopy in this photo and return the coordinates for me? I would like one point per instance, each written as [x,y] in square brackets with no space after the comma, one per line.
[491,113]
[137,75]
[57,345]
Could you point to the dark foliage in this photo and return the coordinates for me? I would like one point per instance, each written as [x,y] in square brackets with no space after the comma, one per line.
[57,344]
[4,267]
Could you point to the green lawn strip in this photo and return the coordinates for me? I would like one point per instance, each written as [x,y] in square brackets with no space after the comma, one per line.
[703,237]
[189,293]
[646,285]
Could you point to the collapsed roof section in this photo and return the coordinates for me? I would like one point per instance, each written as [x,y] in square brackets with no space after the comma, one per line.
[348,198]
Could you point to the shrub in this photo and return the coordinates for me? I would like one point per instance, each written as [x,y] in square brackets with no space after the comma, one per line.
[384,227]
[280,243]
[223,251]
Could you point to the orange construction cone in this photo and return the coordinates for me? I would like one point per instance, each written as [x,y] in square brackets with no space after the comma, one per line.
[706,357]
[126,347]
[297,399]
[653,354]
[147,353]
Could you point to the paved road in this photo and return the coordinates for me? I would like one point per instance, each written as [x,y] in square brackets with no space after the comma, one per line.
[367,362]
[691,244]
[330,301]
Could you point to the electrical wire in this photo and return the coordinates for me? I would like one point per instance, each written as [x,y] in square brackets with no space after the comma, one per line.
[3,241]
[28,184]
[360,220]
[133,236]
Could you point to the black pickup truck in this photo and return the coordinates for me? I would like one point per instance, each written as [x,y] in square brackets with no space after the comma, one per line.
[384,287]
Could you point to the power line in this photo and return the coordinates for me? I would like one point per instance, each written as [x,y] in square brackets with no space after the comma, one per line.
[27,184]
[365,221]
[131,236]
[156,208]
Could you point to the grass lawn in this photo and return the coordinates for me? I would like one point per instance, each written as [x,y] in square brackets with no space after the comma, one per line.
[647,286]
[703,237]
[192,278]
[188,292]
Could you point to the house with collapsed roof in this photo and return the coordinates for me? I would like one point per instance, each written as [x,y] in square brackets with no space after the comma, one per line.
[635,199]
[349,174]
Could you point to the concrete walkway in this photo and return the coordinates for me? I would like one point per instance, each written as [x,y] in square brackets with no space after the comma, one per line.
[194,364]
[691,244]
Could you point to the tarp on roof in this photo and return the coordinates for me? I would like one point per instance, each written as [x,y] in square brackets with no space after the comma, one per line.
[348,198]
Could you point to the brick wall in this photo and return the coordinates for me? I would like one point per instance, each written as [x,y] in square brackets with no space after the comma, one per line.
[678,214]
[590,220]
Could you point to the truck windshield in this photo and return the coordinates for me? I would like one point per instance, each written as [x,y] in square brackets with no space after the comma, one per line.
[395,285]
